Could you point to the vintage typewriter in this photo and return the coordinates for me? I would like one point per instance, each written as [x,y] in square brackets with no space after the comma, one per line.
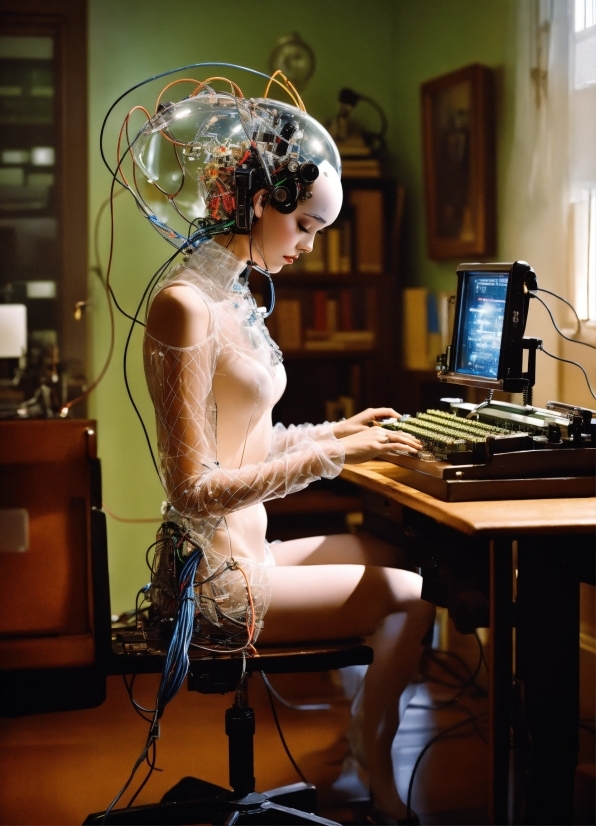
[497,450]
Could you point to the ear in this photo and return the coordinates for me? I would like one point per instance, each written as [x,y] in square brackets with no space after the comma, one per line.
[259,201]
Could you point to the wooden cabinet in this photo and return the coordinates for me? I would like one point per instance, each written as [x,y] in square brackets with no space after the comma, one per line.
[55,611]
[43,182]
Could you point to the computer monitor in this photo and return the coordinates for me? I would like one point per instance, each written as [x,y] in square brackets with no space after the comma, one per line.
[488,332]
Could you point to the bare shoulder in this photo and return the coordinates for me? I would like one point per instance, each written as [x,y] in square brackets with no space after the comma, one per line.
[178,316]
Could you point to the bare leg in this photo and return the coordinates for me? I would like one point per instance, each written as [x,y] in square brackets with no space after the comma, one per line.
[330,601]
[338,549]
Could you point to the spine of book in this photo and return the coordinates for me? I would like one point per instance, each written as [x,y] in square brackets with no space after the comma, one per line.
[289,324]
[368,204]
[414,328]
[433,345]
[315,260]
[333,242]
[331,312]
[345,247]
[346,321]
[320,310]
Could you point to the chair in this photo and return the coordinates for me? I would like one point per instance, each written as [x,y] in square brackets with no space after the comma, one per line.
[197,801]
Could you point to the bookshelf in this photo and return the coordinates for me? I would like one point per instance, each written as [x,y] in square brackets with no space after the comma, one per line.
[336,321]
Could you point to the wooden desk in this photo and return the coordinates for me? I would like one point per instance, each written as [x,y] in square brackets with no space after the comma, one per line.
[538,551]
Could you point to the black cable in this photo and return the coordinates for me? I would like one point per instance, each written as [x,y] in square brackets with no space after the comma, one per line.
[464,687]
[97,269]
[153,544]
[155,276]
[295,706]
[280,732]
[568,361]
[441,735]
[157,77]
[152,768]
[567,338]
[564,300]
[138,708]
[140,759]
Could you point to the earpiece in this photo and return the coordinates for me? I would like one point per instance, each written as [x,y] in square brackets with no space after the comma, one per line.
[290,182]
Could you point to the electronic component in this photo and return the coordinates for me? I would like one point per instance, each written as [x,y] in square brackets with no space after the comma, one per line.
[499,450]
[198,162]
[488,333]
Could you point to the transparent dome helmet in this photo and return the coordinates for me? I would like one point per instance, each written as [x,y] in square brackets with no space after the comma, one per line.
[197,159]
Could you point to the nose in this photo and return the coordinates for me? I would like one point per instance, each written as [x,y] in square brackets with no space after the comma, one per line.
[306,244]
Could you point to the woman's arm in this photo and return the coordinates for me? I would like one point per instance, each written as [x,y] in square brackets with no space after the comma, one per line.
[283,438]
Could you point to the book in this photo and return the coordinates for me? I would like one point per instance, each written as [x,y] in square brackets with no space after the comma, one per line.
[289,324]
[414,328]
[433,333]
[368,204]
[346,321]
[351,340]
[333,244]
[320,310]
[331,314]
[315,260]
[345,247]
[361,168]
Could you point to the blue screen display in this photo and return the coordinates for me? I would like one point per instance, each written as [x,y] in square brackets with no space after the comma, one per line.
[481,318]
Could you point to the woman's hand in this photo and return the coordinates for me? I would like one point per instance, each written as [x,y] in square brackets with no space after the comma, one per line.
[357,423]
[376,442]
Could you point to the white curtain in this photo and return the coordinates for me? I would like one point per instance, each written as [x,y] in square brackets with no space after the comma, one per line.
[534,222]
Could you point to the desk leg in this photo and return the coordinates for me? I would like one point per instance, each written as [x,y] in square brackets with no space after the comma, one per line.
[547,669]
[501,676]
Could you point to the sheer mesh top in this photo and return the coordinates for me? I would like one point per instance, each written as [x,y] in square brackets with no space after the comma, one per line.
[220,457]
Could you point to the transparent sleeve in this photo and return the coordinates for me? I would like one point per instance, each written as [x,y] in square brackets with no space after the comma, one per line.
[180,383]
[283,438]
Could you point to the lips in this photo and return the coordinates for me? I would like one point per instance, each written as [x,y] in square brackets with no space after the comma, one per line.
[288,259]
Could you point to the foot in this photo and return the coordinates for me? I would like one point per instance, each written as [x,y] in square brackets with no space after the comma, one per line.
[352,783]
[389,808]
[377,816]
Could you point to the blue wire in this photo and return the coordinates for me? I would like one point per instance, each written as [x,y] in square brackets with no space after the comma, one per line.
[177,662]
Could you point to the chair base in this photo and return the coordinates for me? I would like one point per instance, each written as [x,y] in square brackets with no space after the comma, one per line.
[194,801]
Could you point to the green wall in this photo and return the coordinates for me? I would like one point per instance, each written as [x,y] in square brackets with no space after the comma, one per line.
[384,48]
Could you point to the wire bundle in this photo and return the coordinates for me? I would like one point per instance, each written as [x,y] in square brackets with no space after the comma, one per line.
[177,662]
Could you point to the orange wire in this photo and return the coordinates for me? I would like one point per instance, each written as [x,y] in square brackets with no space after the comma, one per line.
[124,519]
[122,129]
[250,628]
[91,388]
[289,89]
[200,84]
[173,83]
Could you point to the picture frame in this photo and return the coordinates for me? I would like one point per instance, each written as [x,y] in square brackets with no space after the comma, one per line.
[459,158]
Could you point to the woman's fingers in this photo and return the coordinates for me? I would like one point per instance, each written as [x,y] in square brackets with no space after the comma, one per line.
[397,440]
[379,413]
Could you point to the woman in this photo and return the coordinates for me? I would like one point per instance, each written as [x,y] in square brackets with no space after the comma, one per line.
[214,376]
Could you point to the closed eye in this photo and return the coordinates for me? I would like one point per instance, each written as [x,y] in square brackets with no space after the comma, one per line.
[303,229]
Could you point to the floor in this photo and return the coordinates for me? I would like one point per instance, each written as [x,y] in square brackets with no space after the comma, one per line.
[57,768]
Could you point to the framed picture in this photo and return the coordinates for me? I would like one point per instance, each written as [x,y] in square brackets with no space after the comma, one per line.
[459,163]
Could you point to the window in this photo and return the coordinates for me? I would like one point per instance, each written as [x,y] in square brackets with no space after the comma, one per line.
[582,145]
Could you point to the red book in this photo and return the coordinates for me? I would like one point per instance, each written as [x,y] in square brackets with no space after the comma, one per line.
[345,310]
[320,308]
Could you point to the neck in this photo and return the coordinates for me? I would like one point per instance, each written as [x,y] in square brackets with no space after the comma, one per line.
[240,246]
